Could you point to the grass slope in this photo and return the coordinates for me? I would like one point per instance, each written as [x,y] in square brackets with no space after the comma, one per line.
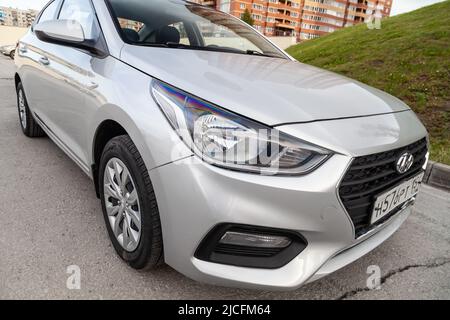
[409,57]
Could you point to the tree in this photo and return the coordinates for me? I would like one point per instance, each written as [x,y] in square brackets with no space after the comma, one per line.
[247,17]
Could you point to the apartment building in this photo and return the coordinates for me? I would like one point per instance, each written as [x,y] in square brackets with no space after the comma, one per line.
[305,19]
[320,17]
[272,17]
[209,3]
[16,17]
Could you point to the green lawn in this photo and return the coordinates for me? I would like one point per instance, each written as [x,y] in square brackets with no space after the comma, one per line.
[409,57]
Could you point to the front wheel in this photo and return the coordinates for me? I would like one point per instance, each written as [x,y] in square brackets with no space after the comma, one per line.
[129,204]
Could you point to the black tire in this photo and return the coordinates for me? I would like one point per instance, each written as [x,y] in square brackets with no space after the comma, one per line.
[31,129]
[12,54]
[149,252]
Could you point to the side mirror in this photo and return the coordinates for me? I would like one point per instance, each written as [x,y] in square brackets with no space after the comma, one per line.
[67,33]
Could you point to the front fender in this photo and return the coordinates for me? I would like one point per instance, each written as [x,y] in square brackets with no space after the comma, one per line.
[158,144]
[123,95]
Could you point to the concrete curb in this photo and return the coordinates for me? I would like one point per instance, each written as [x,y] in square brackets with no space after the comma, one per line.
[437,175]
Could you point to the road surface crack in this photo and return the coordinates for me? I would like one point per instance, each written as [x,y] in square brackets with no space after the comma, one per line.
[439,262]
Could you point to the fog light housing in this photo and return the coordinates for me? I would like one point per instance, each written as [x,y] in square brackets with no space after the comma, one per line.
[254,240]
[250,246]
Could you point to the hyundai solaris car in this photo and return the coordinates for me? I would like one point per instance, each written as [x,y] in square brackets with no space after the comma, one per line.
[8,51]
[211,149]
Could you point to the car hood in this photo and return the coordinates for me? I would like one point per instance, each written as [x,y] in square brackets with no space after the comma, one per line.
[270,90]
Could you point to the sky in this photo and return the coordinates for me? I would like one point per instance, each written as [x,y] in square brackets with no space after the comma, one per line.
[402,6]
[399,6]
[24,4]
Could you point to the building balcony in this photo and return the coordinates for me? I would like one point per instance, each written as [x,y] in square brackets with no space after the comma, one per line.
[284,25]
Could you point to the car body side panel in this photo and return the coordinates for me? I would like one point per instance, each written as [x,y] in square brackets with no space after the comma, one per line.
[56,90]
[29,68]
[123,95]
[105,89]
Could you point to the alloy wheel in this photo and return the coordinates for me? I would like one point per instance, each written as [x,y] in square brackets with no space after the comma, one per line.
[22,109]
[122,204]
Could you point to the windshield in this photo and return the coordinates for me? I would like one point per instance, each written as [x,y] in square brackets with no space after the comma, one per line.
[184,25]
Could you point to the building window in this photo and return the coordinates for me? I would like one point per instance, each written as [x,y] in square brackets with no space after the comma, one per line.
[256,17]
[257,6]
[225,6]
[307,36]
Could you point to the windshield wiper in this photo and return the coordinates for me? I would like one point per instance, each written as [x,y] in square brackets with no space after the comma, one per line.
[201,48]
[177,45]
[146,44]
[257,53]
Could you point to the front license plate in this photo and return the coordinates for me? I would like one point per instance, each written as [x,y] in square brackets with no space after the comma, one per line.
[390,200]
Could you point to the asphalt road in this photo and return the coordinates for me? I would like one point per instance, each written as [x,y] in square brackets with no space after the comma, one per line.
[50,219]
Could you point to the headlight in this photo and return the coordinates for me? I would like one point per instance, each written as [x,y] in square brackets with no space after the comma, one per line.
[227,140]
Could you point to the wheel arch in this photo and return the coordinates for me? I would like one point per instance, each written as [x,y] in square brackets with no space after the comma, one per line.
[154,139]
[106,130]
[111,121]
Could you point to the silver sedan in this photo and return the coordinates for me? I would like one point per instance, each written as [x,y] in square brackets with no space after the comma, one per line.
[213,150]
[8,50]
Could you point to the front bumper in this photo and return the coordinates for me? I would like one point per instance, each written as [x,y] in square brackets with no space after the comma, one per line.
[295,274]
[194,197]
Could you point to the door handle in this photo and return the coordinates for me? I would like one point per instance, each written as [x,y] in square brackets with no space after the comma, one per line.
[91,85]
[44,61]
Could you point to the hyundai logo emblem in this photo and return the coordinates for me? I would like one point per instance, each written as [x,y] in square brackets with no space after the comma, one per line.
[405,162]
